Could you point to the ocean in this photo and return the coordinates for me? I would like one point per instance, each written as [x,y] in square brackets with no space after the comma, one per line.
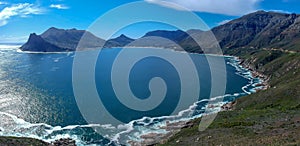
[37,94]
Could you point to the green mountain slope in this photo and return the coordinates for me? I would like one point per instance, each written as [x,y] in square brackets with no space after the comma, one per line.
[268,117]
[256,30]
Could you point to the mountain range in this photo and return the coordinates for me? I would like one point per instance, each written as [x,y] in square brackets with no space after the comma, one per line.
[256,30]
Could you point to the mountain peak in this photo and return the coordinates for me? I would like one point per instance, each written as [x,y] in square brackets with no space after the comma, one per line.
[119,41]
[38,44]
[122,36]
[34,37]
[54,29]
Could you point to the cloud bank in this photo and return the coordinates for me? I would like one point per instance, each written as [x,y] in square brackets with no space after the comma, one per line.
[59,6]
[225,7]
[21,10]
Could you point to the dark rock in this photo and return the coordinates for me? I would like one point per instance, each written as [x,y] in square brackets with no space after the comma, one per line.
[36,43]
[188,124]
[64,142]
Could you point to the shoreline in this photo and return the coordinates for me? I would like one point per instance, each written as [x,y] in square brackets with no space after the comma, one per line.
[264,78]
[175,127]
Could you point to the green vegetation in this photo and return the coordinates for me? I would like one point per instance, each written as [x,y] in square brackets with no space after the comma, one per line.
[21,141]
[24,141]
[268,117]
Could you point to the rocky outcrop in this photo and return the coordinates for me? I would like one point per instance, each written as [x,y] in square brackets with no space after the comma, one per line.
[63,142]
[60,40]
[36,43]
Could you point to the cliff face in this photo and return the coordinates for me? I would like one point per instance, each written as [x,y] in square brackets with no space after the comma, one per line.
[59,40]
[36,43]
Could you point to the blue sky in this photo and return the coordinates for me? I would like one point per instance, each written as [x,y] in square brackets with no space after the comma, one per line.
[19,18]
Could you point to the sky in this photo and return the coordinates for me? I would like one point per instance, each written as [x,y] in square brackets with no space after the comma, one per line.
[19,18]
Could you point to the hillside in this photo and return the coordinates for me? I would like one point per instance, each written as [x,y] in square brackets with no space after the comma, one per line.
[268,117]
[268,43]
[22,141]
[256,30]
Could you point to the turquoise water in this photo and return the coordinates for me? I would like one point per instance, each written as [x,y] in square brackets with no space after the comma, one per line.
[37,99]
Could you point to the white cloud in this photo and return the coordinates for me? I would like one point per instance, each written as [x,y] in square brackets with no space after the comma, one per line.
[59,6]
[223,22]
[21,10]
[3,3]
[280,11]
[226,7]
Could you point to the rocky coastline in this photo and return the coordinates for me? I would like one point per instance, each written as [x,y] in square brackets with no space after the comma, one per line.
[173,128]
[255,73]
